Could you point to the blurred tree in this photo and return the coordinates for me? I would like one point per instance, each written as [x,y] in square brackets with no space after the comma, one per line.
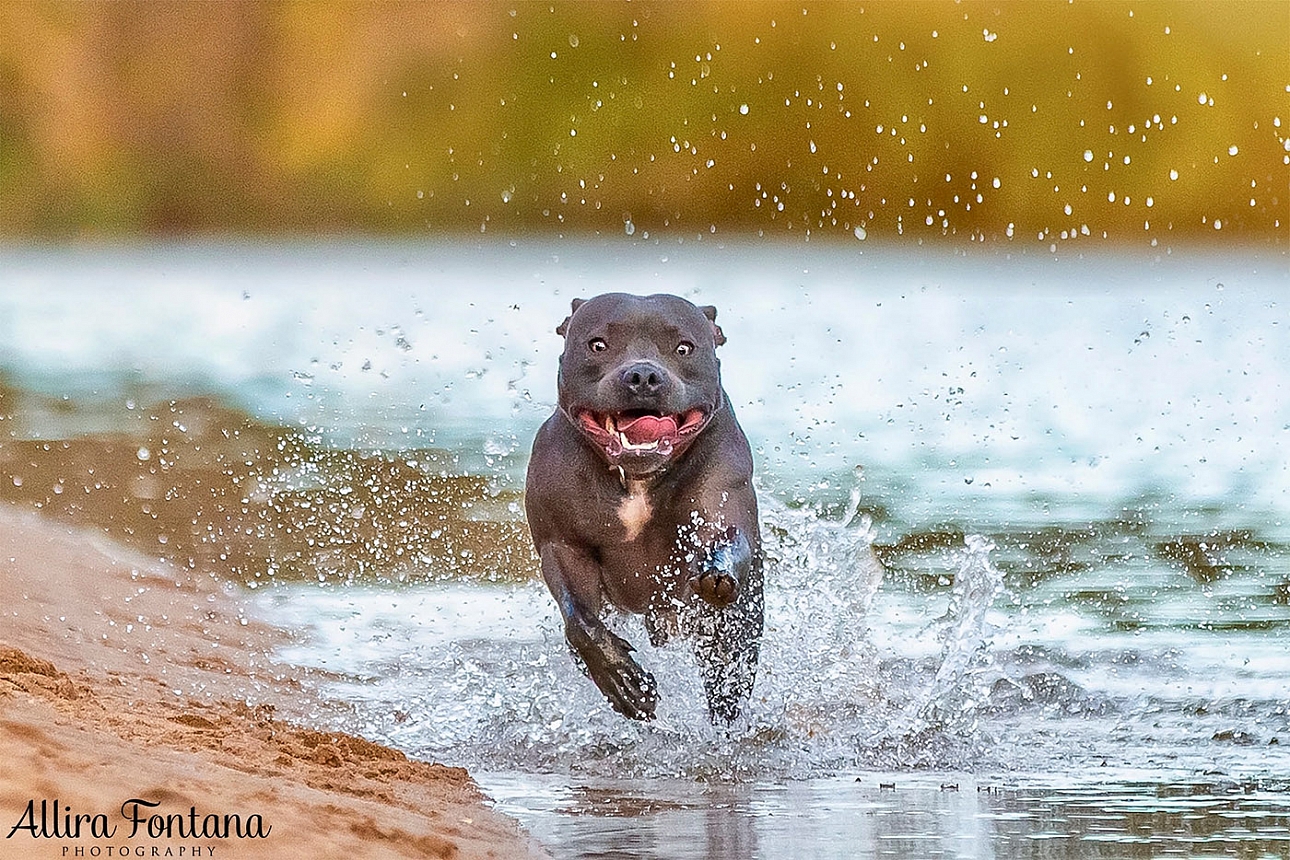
[979,121]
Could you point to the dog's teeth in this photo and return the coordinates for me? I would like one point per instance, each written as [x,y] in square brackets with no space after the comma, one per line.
[643,446]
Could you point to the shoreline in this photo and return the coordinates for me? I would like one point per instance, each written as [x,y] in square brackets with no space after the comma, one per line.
[123,678]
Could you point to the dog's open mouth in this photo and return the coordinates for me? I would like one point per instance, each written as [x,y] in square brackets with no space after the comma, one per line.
[638,431]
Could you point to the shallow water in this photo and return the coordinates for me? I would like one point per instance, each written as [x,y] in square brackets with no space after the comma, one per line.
[1027,516]
[897,815]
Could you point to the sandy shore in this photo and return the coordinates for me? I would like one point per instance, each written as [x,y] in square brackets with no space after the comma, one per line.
[123,678]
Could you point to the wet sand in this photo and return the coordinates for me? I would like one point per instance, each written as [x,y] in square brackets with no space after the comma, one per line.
[123,677]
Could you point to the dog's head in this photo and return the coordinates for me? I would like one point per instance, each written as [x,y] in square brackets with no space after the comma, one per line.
[639,376]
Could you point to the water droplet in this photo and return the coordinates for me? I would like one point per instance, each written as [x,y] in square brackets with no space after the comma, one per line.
[144,454]
[1232,150]
[1088,155]
[629,228]
[860,233]
[743,109]
[1173,174]
[573,41]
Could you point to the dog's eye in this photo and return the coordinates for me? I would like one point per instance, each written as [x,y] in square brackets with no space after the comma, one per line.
[684,348]
[597,344]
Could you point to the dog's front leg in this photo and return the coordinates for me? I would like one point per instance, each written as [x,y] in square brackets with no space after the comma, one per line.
[573,577]
[728,576]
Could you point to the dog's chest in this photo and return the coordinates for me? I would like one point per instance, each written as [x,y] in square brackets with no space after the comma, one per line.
[635,511]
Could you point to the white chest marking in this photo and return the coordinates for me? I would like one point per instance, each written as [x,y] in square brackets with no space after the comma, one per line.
[634,511]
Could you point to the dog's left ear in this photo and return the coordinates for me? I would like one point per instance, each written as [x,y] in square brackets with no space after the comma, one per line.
[563,328]
[718,337]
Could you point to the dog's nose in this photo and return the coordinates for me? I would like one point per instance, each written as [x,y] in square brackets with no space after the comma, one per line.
[644,378]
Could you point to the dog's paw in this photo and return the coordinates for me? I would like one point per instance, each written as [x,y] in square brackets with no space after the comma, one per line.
[715,586]
[631,690]
[716,578]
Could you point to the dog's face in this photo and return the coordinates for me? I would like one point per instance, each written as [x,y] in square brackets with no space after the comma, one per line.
[639,376]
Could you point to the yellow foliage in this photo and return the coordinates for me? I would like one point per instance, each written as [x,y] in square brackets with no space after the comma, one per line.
[1029,121]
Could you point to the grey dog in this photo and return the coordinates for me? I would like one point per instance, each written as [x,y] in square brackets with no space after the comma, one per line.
[639,495]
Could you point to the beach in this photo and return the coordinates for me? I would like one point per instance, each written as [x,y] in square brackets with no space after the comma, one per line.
[139,697]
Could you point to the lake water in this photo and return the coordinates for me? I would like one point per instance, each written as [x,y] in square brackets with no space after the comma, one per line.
[1028,518]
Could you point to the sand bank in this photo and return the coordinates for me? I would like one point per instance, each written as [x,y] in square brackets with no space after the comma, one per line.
[123,678]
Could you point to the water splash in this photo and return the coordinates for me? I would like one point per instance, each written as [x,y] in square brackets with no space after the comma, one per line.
[481,676]
[945,714]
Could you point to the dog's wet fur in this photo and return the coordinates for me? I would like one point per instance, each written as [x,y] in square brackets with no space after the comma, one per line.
[639,496]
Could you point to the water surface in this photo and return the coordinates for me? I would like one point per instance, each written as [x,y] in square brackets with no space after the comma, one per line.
[1027,515]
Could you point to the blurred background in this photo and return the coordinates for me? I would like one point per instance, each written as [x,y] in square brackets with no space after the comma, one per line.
[1030,122]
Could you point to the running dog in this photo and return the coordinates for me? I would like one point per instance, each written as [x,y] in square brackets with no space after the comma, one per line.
[639,496]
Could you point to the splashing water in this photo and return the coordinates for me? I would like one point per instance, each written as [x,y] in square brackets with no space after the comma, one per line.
[480,676]
[947,708]
[1111,433]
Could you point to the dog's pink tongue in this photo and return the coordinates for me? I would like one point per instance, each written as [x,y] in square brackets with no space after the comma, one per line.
[648,428]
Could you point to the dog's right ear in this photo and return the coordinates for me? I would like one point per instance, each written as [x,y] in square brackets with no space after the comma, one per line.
[563,328]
